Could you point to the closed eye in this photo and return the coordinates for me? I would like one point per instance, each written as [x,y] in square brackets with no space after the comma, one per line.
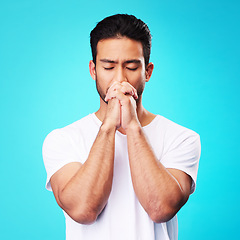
[132,69]
[110,68]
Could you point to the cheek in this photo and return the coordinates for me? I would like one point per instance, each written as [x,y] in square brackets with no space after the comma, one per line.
[104,79]
[137,78]
[105,75]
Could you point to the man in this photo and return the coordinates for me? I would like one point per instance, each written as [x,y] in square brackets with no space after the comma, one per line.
[122,172]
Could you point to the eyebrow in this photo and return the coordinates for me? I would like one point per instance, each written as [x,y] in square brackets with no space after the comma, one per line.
[107,61]
[133,61]
[127,61]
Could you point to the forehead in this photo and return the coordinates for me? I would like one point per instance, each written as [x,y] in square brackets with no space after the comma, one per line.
[119,48]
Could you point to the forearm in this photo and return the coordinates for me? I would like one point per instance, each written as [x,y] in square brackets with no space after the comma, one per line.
[157,190]
[87,192]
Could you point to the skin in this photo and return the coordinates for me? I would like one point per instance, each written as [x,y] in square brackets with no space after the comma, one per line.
[82,190]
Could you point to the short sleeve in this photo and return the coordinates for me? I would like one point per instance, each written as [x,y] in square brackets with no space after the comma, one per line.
[58,150]
[183,153]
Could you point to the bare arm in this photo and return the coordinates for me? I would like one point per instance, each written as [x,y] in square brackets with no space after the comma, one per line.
[161,192]
[82,190]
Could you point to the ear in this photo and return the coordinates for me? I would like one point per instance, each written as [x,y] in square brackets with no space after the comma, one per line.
[149,70]
[92,70]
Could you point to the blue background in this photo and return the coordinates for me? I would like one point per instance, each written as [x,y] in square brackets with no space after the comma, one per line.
[45,84]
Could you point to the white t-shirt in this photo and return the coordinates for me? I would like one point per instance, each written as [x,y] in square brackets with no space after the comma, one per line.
[123,217]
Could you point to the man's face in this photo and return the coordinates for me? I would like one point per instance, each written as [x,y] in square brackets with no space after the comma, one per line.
[119,59]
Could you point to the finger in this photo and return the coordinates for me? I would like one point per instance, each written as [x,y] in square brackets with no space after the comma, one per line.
[123,99]
[124,87]
[114,87]
[134,91]
[127,90]
[112,94]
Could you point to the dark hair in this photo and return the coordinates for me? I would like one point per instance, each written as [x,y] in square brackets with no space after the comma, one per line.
[122,25]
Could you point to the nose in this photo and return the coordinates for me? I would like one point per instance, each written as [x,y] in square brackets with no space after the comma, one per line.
[120,75]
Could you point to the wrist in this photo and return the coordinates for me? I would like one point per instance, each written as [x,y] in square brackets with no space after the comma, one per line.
[133,128]
[108,127]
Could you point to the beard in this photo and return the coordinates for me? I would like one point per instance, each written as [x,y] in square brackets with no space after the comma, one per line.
[100,90]
[103,94]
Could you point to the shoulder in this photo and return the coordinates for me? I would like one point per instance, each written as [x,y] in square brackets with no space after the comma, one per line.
[72,128]
[173,135]
[71,132]
[170,128]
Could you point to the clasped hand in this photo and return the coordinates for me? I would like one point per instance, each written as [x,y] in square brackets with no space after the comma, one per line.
[121,110]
